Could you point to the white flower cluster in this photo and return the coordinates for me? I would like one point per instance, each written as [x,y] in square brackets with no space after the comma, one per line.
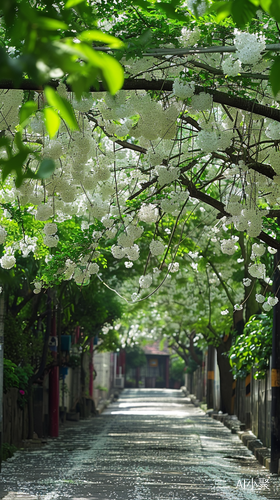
[132,252]
[134,231]
[125,240]
[274,160]
[53,149]
[51,241]
[183,90]
[38,287]
[7,261]
[9,106]
[44,212]
[84,105]
[28,245]
[202,101]
[249,220]
[257,270]
[167,175]
[207,141]
[148,213]
[50,228]
[247,282]
[189,37]
[229,246]
[273,131]
[117,251]
[266,305]
[3,234]
[93,268]
[259,298]
[258,249]
[249,47]
[173,267]
[69,269]
[234,206]
[156,247]
[145,281]
[231,66]
[171,205]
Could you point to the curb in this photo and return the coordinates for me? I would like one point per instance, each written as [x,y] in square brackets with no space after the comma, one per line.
[249,439]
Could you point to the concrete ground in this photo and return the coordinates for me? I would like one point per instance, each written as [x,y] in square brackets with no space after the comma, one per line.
[152,444]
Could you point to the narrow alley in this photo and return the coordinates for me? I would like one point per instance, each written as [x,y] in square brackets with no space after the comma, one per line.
[152,444]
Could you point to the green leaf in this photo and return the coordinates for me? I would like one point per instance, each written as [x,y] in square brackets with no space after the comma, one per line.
[50,24]
[274,76]
[242,12]
[72,3]
[46,169]
[14,164]
[113,74]
[52,121]
[222,9]
[26,110]
[99,36]
[63,106]
[274,10]
[169,9]
[111,71]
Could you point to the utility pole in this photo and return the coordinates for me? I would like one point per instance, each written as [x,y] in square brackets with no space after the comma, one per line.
[1,371]
[275,374]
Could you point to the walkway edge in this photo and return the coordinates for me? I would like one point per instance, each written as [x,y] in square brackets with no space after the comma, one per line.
[261,452]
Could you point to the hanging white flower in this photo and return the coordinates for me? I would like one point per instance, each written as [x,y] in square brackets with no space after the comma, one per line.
[133,252]
[148,213]
[246,281]
[7,261]
[51,241]
[145,281]
[238,307]
[125,240]
[224,312]
[93,268]
[231,66]
[267,307]
[44,212]
[260,298]
[50,228]
[183,90]
[249,47]
[202,101]
[257,270]
[258,249]
[156,247]
[118,252]
[228,246]
[167,175]
[3,234]
[173,267]
[38,287]
[207,141]
[273,301]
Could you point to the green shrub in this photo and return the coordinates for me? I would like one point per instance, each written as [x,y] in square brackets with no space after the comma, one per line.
[253,348]
[7,451]
[17,376]
[177,369]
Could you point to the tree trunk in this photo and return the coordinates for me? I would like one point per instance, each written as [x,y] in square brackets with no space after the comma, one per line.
[226,378]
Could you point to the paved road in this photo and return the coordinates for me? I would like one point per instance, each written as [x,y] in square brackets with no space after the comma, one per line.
[150,445]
